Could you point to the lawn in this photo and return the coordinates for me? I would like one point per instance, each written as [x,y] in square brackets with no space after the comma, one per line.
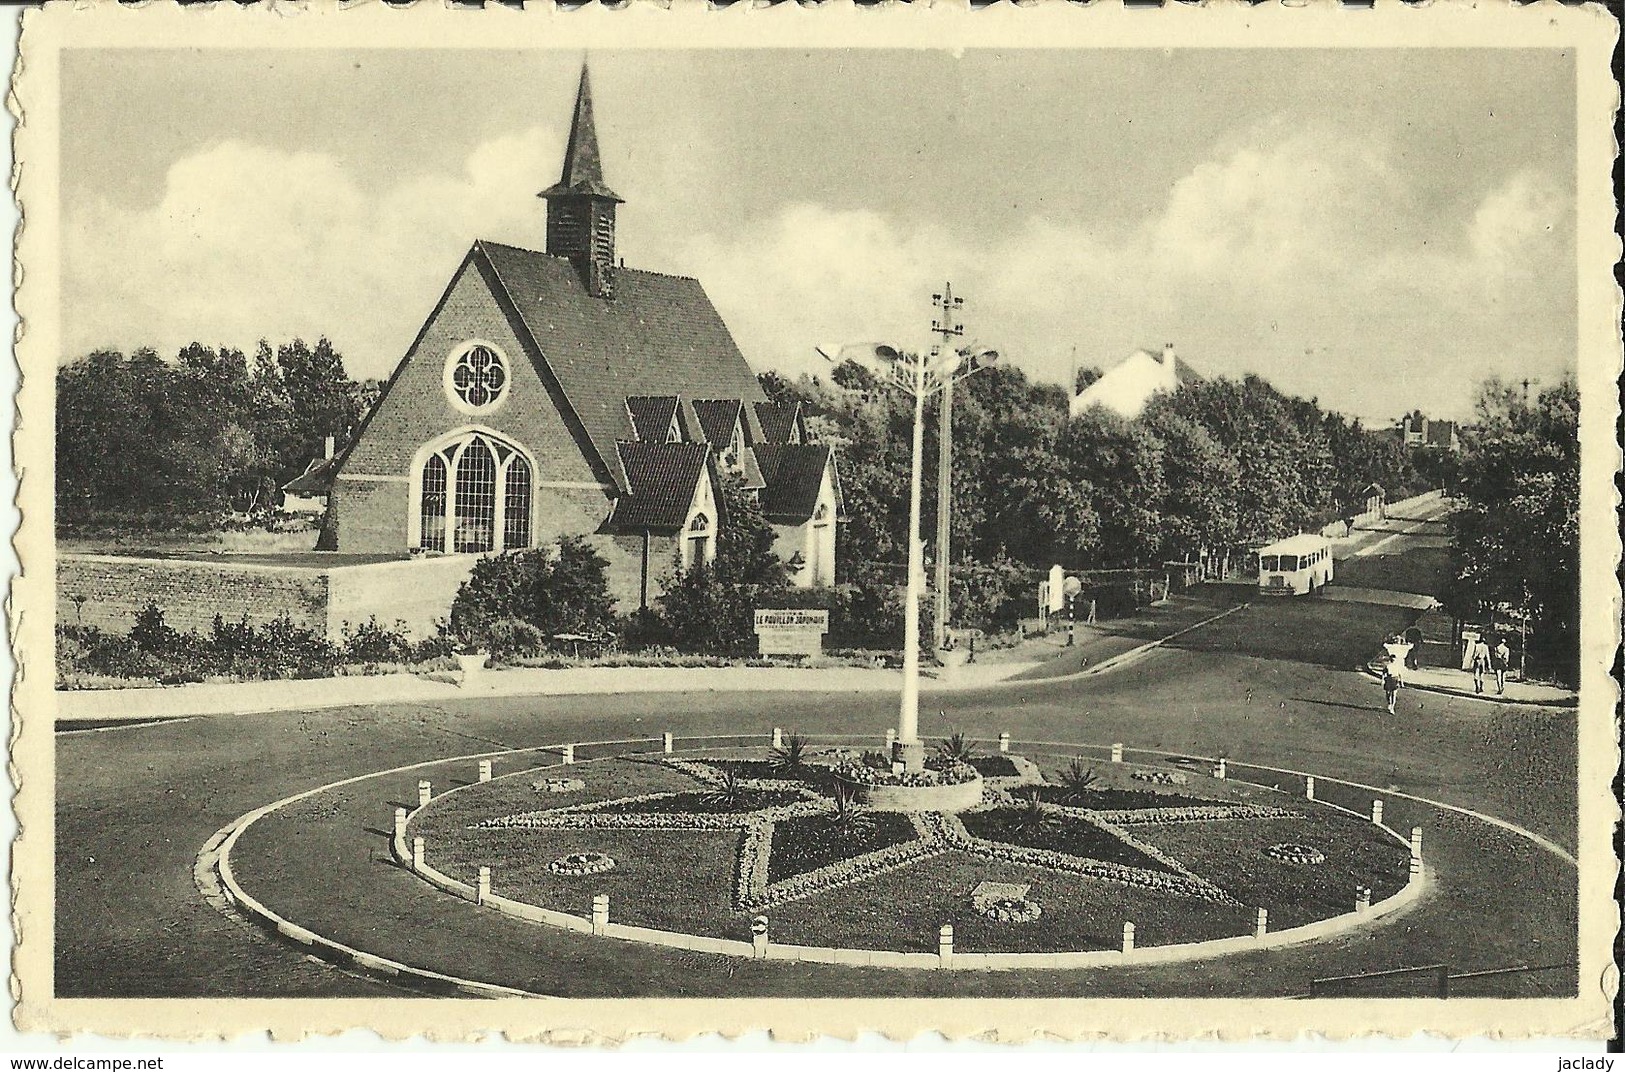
[685,880]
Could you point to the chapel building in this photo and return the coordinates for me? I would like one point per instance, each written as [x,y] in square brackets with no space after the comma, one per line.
[560,392]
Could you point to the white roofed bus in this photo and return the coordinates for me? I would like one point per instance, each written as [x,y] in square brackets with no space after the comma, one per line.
[1296,566]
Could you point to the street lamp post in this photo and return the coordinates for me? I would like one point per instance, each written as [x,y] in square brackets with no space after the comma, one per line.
[919,376]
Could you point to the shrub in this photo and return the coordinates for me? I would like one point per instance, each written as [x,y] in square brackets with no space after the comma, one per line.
[370,642]
[510,637]
[557,590]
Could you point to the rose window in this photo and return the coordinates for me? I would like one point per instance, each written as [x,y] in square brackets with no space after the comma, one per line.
[478,376]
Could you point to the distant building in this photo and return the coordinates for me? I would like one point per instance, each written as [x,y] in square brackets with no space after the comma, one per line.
[1127,387]
[1420,431]
[307,492]
[560,392]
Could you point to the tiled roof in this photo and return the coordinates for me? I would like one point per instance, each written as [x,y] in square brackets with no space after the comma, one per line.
[317,479]
[794,473]
[663,478]
[717,417]
[660,335]
[779,420]
[652,416]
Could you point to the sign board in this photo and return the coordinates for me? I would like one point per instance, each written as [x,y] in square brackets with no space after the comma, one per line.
[791,632]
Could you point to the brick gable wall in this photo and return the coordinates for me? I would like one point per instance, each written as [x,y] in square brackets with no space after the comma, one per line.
[372,493]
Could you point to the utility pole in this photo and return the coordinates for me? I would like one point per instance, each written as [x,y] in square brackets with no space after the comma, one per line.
[948,328]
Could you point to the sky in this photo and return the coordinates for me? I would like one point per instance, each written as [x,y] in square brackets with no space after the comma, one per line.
[1380,229]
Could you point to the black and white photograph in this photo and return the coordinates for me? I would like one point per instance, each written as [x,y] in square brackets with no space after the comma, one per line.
[942,504]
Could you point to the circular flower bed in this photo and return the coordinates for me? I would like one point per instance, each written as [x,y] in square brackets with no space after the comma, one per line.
[1161,777]
[1009,909]
[1296,854]
[582,863]
[558,785]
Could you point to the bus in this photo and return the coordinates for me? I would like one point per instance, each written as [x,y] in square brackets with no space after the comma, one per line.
[1298,565]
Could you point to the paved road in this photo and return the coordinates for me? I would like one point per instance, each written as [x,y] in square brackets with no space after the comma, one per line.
[1275,681]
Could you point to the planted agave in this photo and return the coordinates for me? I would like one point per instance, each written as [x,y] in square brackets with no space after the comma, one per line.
[958,748]
[727,791]
[791,756]
[1076,782]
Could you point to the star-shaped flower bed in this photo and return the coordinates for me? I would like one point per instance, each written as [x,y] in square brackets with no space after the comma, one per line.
[800,835]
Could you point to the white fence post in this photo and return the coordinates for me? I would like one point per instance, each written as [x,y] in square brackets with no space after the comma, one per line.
[482,892]
[600,913]
[891,739]
[569,755]
[417,853]
[778,737]
[1416,842]
[1004,742]
[1309,787]
[425,793]
[667,741]
[1128,937]
[1376,811]
[1219,771]
[1117,753]
[485,770]
[758,937]
[945,944]
[1263,923]
[400,824]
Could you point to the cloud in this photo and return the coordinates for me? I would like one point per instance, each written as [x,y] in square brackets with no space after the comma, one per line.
[248,241]
[1287,243]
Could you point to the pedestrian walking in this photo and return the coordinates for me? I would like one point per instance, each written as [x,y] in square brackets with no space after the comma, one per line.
[1480,663]
[1500,659]
[1393,672]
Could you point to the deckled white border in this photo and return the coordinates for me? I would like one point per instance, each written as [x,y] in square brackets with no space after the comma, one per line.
[1590,31]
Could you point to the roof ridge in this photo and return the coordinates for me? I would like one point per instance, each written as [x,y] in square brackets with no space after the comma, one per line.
[562,257]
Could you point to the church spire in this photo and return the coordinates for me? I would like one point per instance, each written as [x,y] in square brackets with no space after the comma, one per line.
[580,206]
[583,172]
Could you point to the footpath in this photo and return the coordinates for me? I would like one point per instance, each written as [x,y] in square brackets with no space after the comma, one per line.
[1460,683]
[252,697]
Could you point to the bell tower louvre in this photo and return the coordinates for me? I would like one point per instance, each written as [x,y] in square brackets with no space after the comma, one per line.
[580,206]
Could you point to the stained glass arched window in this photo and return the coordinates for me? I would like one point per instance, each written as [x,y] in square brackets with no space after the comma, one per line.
[516,504]
[478,489]
[432,505]
[474,516]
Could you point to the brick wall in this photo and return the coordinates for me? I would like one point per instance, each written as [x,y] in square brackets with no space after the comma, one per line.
[114,590]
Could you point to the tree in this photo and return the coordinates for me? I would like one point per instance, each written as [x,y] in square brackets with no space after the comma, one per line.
[711,607]
[1516,539]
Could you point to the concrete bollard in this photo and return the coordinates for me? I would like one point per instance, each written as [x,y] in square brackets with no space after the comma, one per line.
[666,742]
[891,739]
[600,912]
[1128,937]
[1219,771]
[485,770]
[417,852]
[778,737]
[425,793]
[569,754]
[1416,842]
[482,890]
[400,824]
[1362,898]
[1004,742]
[758,937]
[945,944]
[1263,927]
[1309,787]
[1416,868]
[1117,753]
[1376,811]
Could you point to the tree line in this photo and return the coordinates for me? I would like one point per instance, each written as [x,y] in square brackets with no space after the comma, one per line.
[1203,473]
[168,443]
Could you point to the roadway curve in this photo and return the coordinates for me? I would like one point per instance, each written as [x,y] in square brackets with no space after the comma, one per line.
[1275,683]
